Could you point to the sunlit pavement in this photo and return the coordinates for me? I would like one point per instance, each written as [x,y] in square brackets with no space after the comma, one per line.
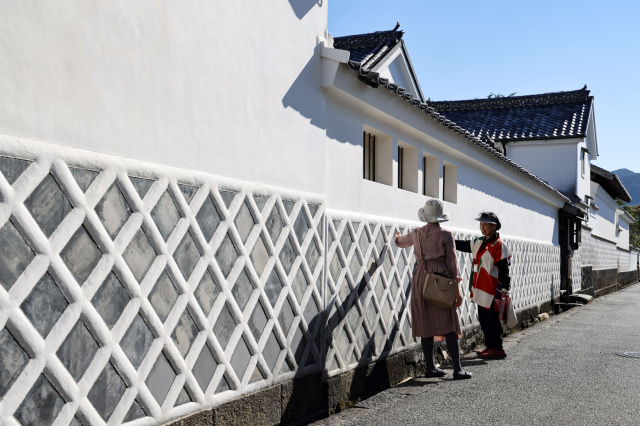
[565,370]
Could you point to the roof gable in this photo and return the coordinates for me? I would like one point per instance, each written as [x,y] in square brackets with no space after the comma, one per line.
[557,115]
[385,53]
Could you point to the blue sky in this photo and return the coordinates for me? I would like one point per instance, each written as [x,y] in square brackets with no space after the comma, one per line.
[468,49]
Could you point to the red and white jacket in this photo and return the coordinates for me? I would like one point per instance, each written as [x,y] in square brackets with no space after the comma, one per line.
[490,262]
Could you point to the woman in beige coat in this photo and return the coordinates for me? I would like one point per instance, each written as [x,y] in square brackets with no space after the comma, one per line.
[432,322]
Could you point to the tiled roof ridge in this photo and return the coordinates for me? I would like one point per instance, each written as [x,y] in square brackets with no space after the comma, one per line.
[382,41]
[373,79]
[368,38]
[552,98]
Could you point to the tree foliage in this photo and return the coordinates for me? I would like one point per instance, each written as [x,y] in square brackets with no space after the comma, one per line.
[634,228]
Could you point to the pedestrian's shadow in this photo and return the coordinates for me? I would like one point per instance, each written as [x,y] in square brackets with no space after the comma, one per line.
[313,396]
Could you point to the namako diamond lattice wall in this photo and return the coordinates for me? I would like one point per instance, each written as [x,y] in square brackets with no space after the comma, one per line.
[131,291]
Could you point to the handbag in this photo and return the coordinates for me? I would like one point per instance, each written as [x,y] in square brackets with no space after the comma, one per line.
[437,289]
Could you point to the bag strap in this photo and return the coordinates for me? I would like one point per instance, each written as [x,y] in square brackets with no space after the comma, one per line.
[424,264]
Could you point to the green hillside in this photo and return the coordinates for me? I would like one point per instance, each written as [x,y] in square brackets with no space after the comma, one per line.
[631,182]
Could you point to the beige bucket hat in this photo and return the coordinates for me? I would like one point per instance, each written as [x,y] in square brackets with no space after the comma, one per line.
[433,212]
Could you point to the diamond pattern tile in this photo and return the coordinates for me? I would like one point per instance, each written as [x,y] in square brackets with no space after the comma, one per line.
[224,327]
[135,412]
[136,341]
[187,255]
[15,255]
[161,378]
[77,350]
[107,391]
[207,292]
[204,368]
[48,205]
[81,255]
[13,360]
[288,255]
[258,321]
[244,222]
[44,305]
[273,287]
[275,224]
[84,177]
[300,226]
[163,296]
[12,168]
[226,255]
[139,255]
[184,396]
[110,300]
[208,218]
[242,290]
[165,214]
[41,405]
[259,256]
[188,192]
[185,332]
[227,197]
[241,358]
[141,185]
[113,210]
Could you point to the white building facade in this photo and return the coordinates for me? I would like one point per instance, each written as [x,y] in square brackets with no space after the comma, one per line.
[198,203]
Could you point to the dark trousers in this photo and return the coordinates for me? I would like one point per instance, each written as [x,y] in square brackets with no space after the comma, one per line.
[491,327]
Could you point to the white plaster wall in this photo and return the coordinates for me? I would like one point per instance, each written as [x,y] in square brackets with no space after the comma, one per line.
[554,161]
[583,180]
[225,87]
[604,225]
[622,232]
[526,209]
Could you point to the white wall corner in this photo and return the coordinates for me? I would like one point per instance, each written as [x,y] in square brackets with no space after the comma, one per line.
[331,60]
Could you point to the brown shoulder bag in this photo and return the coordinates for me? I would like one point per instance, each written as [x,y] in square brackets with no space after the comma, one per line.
[437,289]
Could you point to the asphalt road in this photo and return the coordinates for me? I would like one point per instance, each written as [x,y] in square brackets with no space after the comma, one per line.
[564,370]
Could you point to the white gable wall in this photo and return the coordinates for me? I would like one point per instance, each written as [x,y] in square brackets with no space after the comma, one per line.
[396,69]
[187,84]
[554,161]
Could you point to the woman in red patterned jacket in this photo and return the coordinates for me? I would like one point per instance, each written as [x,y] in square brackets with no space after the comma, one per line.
[489,280]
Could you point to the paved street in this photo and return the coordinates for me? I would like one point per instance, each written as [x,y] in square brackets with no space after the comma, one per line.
[562,371]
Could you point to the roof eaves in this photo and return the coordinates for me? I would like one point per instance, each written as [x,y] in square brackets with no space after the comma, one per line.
[374,80]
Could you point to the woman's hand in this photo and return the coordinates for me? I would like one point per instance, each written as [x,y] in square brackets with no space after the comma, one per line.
[397,236]
[459,299]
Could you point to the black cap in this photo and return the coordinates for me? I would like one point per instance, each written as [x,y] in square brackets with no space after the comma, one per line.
[489,217]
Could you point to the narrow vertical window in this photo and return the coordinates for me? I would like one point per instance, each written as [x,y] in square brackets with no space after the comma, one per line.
[368,156]
[424,175]
[400,167]
[449,182]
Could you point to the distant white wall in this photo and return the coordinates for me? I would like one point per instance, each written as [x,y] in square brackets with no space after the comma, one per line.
[554,161]
[604,223]
[228,88]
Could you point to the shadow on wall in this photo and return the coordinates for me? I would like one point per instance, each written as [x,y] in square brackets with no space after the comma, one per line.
[311,395]
[300,96]
[302,7]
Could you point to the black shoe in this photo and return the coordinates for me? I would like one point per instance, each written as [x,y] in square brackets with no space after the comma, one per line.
[461,375]
[435,373]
